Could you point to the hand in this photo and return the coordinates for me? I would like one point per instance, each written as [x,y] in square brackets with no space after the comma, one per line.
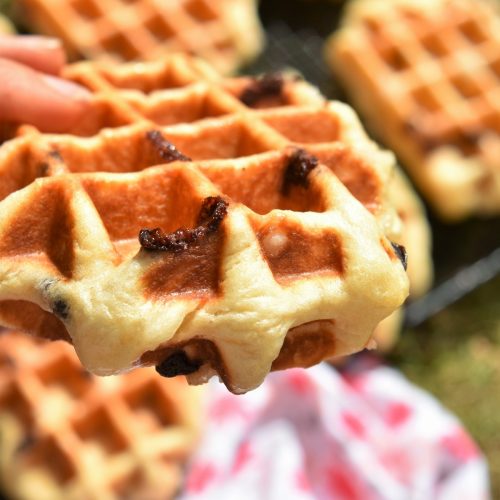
[30,91]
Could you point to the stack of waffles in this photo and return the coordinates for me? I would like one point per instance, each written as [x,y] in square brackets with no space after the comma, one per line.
[65,434]
[426,75]
[201,224]
[225,32]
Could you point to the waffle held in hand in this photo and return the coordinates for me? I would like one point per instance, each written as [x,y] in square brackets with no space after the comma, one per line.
[222,243]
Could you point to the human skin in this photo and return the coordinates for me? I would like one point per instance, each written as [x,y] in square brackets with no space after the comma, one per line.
[30,90]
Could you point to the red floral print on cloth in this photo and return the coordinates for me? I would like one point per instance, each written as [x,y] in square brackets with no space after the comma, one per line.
[199,477]
[460,445]
[242,457]
[397,414]
[320,434]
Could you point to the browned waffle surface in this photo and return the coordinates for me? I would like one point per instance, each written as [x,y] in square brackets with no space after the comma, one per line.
[66,434]
[427,77]
[251,253]
[225,32]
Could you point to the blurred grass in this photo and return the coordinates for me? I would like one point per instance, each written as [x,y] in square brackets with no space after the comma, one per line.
[5,6]
[456,356]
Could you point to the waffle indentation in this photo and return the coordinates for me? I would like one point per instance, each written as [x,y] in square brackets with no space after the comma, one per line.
[63,374]
[48,454]
[151,406]
[97,427]
[44,229]
[283,245]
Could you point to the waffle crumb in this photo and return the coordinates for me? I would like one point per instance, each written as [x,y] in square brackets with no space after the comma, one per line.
[213,211]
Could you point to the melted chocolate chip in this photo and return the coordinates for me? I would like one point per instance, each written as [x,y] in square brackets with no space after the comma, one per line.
[299,166]
[60,308]
[177,363]
[401,253]
[165,148]
[213,211]
[270,85]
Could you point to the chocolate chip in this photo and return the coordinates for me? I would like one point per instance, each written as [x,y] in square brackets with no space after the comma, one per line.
[401,253]
[212,212]
[177,363]
[165,148]
[300,164]
[268,85]
[60,308]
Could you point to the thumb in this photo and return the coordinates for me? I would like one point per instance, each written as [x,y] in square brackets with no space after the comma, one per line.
[50,103]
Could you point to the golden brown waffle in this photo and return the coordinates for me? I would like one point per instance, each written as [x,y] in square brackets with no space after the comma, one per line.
[225,32]
[282,266]
[65,434]
[415,236]
[6,26]
[426,75]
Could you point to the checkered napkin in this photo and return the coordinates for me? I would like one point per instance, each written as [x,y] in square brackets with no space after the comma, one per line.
[364,433]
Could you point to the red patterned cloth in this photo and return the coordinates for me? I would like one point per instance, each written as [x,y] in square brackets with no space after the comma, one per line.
[363,434]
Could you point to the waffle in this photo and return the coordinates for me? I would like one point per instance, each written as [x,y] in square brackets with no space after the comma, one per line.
[65,434]
[279,258]
[426,75]
[415,236]
[6,26]
[225,32]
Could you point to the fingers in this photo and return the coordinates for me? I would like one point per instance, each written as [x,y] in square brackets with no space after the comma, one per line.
[48,102]
[38,52]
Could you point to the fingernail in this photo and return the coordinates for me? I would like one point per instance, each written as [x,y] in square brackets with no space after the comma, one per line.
[67,88]
[39,42]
